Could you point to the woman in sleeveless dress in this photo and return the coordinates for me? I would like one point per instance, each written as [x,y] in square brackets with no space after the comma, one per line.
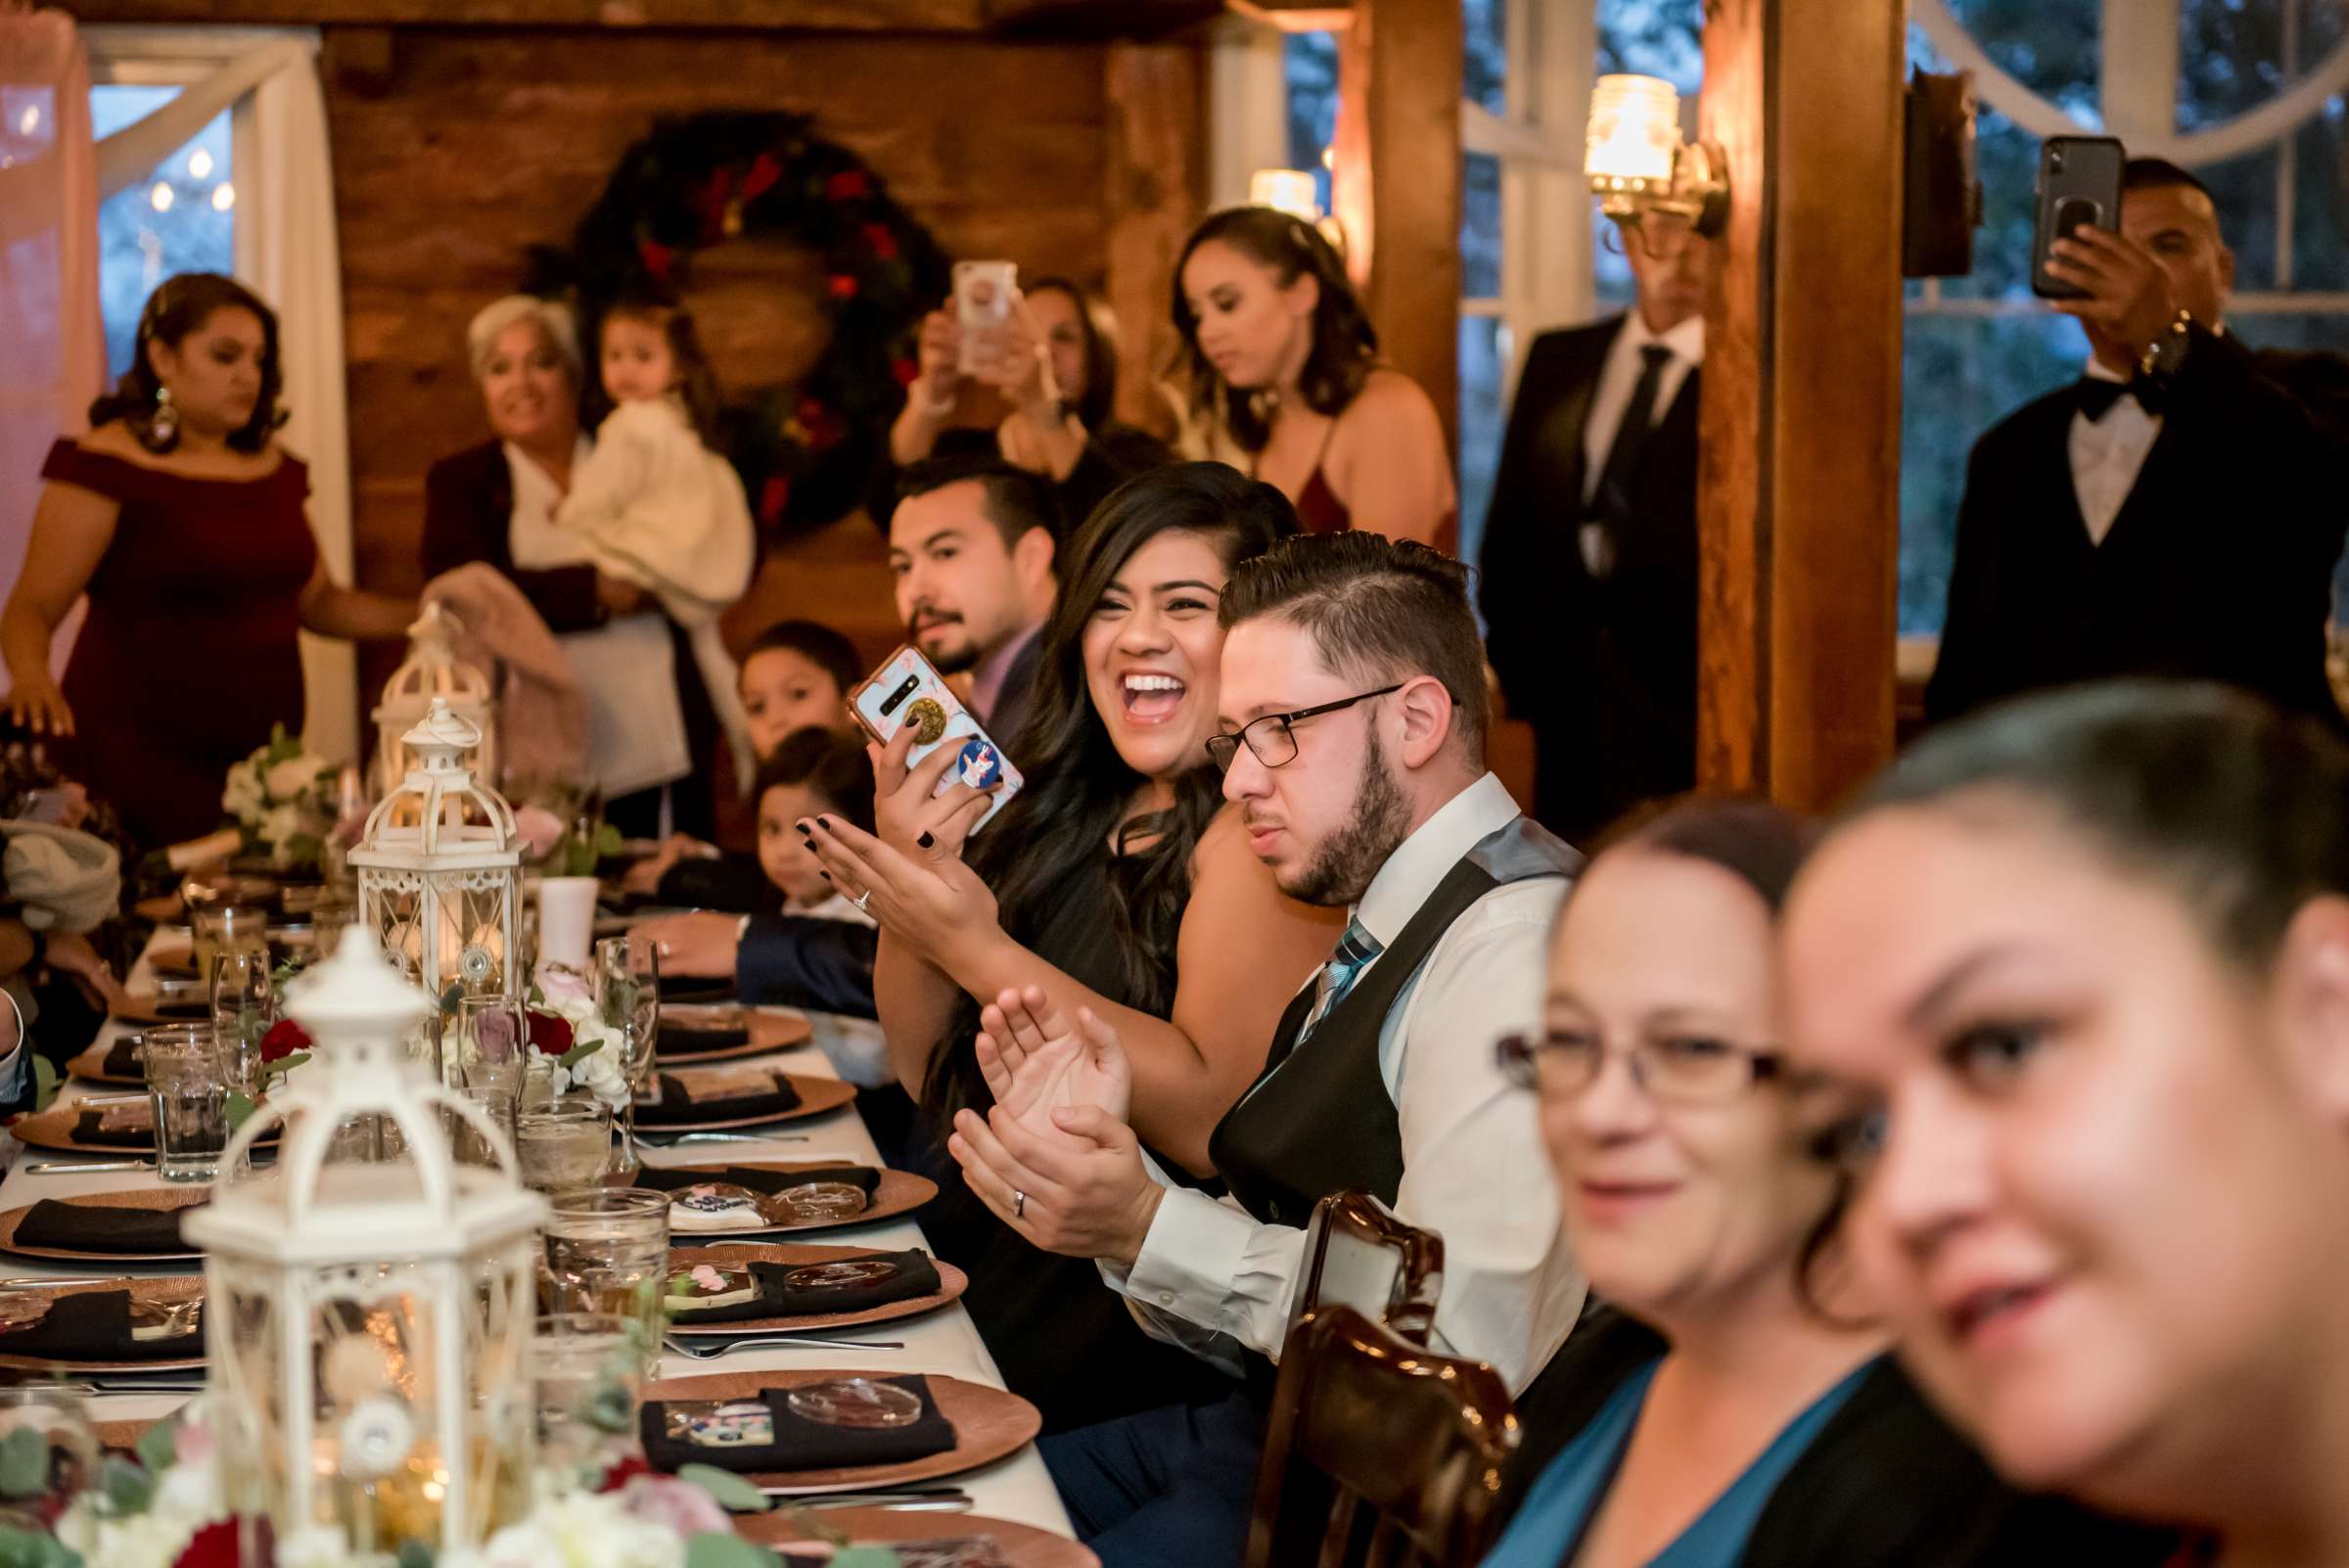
[1283,380]
[1117,880]
[183,520]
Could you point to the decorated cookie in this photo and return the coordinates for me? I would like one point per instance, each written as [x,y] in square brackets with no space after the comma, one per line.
[711,1424]
[708,1286]
[715,1206]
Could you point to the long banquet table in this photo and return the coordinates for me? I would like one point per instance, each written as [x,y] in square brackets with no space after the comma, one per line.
[1017,1489]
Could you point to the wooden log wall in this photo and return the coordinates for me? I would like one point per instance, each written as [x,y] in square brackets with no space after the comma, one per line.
[454,148]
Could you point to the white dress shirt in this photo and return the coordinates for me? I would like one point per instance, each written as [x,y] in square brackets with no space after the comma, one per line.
[2107,454]
[1619,377]
[1474,1167]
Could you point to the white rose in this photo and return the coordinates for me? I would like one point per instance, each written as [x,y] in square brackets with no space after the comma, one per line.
[136,1541]
[242,798]
[191,1488]
[294,777]
[280,824]
[600,1074]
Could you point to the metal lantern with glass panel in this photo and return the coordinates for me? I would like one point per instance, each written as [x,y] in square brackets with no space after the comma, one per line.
[431,672]
[368,1321]
[440,866]
[1645,175]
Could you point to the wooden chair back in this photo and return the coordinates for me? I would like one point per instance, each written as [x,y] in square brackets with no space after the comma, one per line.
[1359,1255]
[1379,1455]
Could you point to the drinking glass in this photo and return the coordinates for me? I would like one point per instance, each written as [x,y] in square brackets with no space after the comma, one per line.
[466,1145]
[333,916]
[190,1096]
[217,928]
[607,1251]
[587,1372]
[244,1006]
[484,1043]
[628,999]
[56,1415]
[564,1145]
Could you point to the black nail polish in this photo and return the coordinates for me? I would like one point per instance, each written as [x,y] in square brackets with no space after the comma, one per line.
[824,823]
[925,841]
[826,875]
[806,832]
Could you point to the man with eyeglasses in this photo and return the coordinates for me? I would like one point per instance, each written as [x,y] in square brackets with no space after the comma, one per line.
[1354,724]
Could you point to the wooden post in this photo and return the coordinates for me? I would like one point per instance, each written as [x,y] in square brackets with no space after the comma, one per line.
[1153,177]
[1798,483]
[1398,183]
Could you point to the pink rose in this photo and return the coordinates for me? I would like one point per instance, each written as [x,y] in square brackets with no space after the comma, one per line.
[539,829]
[679,1504]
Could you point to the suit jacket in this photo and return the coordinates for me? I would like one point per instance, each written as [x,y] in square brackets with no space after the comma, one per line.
[1605,671]
[1015,698]
[468,508]
[803,961]
[2219,567]
[1886,1483]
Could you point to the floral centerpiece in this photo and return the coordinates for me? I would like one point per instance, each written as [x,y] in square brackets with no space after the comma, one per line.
[566,1034]
[167,1507]
[282,801]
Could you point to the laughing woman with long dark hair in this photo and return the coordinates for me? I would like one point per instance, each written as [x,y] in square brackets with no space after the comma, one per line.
[1116,879]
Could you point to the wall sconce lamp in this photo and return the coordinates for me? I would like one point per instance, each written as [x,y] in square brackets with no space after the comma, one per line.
[1285,190]
[1639,167]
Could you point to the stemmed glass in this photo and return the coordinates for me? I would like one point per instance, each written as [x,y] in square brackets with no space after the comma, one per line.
[489,1034]
[628,999]
[244,998]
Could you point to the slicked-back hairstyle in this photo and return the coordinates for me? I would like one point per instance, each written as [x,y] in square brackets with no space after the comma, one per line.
[1379,609]
[830,651]
[2239,810]
[831,763]
[1015,500]
[2151,173]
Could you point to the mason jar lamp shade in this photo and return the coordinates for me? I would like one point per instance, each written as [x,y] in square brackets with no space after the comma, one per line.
[440,866]
[433,671]
[368,1325]
[1639,167]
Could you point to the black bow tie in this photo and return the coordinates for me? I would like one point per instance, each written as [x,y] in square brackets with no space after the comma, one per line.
[2095,396]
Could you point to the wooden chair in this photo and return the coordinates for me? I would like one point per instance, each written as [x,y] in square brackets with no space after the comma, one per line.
[1359,1255]
[1379,1455]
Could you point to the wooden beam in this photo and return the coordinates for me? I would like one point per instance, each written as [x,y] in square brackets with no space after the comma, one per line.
[1397,185]
[844,16]
[1296,16]
[1154,180]
[1096,21]
[1799,479]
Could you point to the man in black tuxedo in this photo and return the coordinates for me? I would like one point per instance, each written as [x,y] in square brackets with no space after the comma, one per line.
[2178,510]
[1589,586]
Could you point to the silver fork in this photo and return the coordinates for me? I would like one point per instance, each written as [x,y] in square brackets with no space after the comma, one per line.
[703,1350]
[942,1500]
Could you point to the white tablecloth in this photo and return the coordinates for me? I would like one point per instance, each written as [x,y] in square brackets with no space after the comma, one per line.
[1017,1487]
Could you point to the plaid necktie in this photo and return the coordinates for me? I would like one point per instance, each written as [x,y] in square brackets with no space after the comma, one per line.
[1355,949]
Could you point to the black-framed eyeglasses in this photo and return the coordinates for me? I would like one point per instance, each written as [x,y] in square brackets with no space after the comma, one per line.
[1677,1068]
[1270,738]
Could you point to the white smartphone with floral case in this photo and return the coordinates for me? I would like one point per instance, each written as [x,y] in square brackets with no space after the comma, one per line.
[907,690]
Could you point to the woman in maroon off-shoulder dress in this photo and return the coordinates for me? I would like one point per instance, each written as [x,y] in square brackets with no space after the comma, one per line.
[184,521]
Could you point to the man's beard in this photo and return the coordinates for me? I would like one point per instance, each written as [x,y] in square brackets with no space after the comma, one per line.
[954,657]
[1341,869]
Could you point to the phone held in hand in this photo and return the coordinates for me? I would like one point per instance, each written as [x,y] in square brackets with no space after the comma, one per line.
[907,690]
[2078,188]
[983,293]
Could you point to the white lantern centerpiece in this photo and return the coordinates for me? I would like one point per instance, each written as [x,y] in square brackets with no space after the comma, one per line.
[431,672]
[440,867]
[368,1322]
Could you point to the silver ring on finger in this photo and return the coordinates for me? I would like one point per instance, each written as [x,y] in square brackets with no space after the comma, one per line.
[1019,1205]
[862,900]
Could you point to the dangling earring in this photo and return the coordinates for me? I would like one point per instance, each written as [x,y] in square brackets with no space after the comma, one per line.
[162,426]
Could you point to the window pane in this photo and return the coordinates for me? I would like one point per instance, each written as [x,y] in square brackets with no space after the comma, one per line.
[180,218]
[2320,239]
[1654,38]
[2233,57]
[1484,362]
[2245,193]
[1485,80]
[1480,226]
[1311,62]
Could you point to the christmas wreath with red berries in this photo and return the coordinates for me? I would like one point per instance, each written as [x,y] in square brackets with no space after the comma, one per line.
[805,449]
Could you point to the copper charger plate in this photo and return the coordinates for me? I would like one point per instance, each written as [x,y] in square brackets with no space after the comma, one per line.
[770,1030]
[899,1192]
[156,1290]
[130,1198]
[817,1096]
[988,1425]
[187,1197]
[90,1068]
[952,1282]
[52,1129]
[1022,1546]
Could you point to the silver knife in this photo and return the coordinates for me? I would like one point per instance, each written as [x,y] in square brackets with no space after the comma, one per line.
[672,1139]
[61,1166]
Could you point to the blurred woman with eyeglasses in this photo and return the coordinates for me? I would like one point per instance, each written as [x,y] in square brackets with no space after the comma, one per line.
[1733,1401]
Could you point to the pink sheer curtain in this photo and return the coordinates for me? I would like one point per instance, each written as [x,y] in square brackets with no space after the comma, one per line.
[52,336]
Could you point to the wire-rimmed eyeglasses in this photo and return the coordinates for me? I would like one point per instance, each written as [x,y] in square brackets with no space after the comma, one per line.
[1679,1069]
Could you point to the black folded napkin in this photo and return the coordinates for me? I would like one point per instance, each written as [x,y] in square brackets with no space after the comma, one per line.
[96,1326]
[916,1275]
[87,1227]
[88,1131]
[771,1438]
[697,989]
[670,1180]
[675,1105]
[181,1009]
[682,1040]
[173,968]
[122,1059]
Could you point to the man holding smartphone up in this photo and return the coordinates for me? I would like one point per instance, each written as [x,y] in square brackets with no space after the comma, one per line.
[2176,511]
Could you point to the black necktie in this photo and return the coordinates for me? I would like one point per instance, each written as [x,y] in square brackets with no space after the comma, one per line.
[1613,498]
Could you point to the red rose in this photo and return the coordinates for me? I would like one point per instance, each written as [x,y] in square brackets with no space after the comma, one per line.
[773,497]
[763,172]
[550,1034]
[883,243]
[657,259]
[844,287]
[623,1471]
[846,185]
[284,1038]
[212,1547]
